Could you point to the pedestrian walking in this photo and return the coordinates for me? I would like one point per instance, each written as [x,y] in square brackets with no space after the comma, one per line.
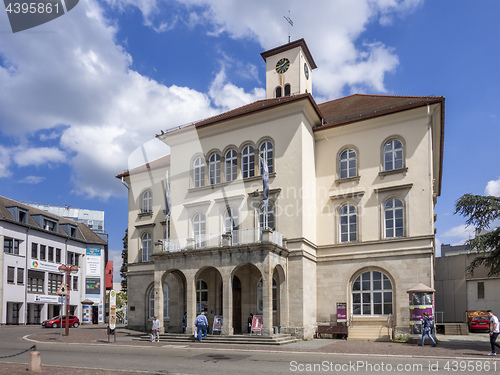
[201,324]
[494,332]
[184,323]
[250,319]
[427,329]
[155,336]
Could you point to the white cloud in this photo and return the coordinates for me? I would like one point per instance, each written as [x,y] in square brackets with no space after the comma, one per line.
[459,234]
[36,156]
[32,180]
[493,188]
[5,164]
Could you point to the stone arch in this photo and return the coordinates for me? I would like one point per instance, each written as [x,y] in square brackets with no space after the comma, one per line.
[248,275]
[176,282]
[208,292]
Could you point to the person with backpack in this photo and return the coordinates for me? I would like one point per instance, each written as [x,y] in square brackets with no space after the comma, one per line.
[427,329]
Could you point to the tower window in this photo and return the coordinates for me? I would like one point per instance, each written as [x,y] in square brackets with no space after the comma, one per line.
[288,89]
[279,93]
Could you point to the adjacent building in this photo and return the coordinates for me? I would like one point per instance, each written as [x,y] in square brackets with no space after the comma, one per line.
[288,209]
[35,244]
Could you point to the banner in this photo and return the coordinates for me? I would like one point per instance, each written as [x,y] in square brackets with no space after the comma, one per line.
[217,326]
[341,312]
[256,324]
[92,286]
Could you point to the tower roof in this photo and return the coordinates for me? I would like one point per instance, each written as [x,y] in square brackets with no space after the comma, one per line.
[298,43]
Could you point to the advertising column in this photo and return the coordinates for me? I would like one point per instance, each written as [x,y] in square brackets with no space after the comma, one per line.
[94,283]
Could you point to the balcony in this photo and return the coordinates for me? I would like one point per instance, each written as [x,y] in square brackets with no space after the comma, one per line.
[212,240]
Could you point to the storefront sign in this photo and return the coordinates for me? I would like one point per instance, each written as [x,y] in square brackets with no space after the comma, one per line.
[49,299]
[341,312]
[94,252]
[93,265]
[417,312]
[44,266]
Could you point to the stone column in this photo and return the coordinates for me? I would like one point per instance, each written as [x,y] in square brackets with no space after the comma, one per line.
[190,302]
[227,304]
[267,296]
[158,293]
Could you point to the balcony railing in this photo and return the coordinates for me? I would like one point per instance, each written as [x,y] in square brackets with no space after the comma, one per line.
[234,238]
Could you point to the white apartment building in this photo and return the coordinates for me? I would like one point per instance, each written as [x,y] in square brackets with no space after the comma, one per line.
[35,244]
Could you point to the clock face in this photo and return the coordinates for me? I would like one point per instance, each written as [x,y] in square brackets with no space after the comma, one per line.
[282,65]
[306,71]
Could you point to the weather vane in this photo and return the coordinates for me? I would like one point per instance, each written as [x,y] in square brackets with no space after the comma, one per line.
[290,23]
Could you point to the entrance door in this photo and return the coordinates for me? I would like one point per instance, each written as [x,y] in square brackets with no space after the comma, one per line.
[236,305]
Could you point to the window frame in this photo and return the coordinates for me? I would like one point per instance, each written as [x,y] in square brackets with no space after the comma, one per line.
[199,226]
[265,214]
[394,210]
[392,155]
[348,215]
[347,161]
[266,152]
[199,172]
[370,292]
[146,240]
[248,161]
[214,169]
[201,296]
[231,165]
[147,202]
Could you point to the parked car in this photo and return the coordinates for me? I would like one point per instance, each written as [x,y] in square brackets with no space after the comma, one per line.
[479,322]
[56,321]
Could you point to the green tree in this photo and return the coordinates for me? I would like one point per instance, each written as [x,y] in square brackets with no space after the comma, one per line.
[482,211]
[124,267]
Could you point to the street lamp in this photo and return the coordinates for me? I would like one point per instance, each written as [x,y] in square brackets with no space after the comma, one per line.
[67,269]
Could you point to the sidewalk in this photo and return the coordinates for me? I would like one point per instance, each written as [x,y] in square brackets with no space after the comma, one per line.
[475,346]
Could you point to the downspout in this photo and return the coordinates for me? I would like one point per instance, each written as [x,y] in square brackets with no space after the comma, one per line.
[430,117]
[26,280]
[124,183]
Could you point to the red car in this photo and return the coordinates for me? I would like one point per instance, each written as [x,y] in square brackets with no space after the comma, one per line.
[56,321]
[479,322]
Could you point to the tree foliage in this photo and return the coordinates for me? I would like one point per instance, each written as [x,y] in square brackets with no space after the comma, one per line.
[124,267]
[482,212]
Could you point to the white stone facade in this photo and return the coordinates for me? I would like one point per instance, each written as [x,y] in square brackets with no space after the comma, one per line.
[352,188]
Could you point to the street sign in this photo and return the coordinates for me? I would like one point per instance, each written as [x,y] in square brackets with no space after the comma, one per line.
[63,289]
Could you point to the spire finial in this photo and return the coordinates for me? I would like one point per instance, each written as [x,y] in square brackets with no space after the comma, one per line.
[290,23]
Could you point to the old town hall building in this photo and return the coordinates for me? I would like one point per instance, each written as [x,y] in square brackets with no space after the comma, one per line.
[352,185]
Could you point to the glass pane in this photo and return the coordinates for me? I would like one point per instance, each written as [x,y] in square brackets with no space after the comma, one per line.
[356,298]
[388,297]
[357,284]
[377,275]
[416,299]
[366,298]
[356,309]
[377,297]
[377,285]
[387,308]
[387,284]
[366,309]
[377,308]
[366,285]
[427,298]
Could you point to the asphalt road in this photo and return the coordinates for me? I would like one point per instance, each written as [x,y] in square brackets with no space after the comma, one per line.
[175,359]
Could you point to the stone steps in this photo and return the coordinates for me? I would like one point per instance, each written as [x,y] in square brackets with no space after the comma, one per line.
[280,339]
[456,329]
[370,332]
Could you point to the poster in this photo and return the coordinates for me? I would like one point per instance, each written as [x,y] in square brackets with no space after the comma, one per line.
[341,312]
[93,265]
[217,326]
[92,286]
[256,324]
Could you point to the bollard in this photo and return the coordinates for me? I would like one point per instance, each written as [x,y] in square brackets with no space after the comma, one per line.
[35,362]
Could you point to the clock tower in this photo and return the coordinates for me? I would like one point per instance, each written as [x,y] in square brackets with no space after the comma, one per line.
[288,70]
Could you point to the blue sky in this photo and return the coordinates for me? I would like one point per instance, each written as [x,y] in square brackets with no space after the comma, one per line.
[79,94]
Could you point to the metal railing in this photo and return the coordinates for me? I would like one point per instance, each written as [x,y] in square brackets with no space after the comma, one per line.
[237,237]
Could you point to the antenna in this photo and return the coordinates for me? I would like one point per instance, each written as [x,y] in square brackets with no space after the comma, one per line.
[290,23]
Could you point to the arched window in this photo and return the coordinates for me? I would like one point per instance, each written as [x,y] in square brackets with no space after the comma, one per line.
[146,247]
[393,155]
[394,218]
[260,296]
[199,230]
[147,202]
[267,153]
[348,223]
[372,294]
[288,89]
[348,164]
[214,169]
[248,162]
[279,92]
[231,224]
[166,302]
[199,172]
[231,163]
[266,217]
[201,296]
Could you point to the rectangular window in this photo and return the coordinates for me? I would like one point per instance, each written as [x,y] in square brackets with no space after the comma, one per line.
[72,258]
[58,255]
[42,252]
[34,251]
[35,281]
[20,276]
[51,254]
[49,225]
[11,246]
[75,282]
[54,283]
[10,274]
[480,290]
